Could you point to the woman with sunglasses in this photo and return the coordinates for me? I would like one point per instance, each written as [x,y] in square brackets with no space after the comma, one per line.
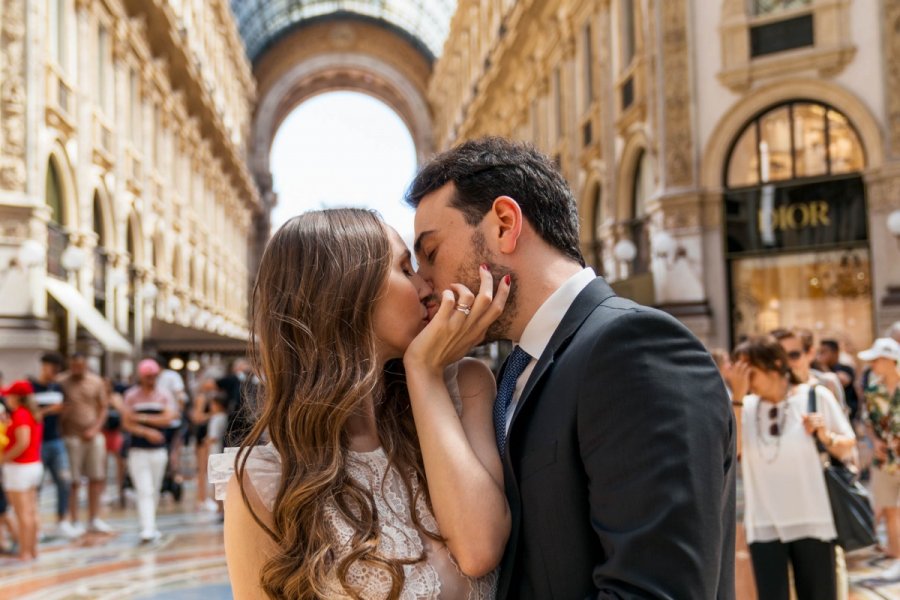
[787,513]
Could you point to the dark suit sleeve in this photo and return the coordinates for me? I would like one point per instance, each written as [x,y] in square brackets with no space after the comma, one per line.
[655,433]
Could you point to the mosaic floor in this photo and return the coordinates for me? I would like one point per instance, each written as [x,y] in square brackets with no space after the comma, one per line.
[188,562]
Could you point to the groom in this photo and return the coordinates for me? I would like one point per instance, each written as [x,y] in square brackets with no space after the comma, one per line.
[614,426]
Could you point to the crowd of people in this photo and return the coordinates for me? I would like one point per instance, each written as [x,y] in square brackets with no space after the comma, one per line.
[66,425]
[787,393]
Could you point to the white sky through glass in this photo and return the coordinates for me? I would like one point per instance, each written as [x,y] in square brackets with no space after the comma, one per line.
[343,149]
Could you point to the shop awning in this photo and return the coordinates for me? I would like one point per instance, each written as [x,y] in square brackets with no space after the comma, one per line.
[88,316]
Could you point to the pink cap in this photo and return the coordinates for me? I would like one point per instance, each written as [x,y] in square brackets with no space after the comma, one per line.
[148,366]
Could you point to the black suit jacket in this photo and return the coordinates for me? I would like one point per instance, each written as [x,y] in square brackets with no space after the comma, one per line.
[619,462]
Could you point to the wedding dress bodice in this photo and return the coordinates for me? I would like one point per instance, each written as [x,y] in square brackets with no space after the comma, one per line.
[435,577]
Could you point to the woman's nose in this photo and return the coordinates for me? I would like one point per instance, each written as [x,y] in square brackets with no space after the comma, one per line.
[424,286]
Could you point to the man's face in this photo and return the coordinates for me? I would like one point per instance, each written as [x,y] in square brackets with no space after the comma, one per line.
[449,250]
[78,366]
[48,371]
[827,356]
[798,359]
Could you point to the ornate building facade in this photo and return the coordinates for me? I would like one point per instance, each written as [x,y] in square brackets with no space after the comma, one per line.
[735,161]
[126,204]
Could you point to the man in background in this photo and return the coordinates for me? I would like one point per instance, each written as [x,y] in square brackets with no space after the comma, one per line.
[81,420]
[49,397]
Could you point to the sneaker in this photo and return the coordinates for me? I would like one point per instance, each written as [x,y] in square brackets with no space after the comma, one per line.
[78,529]
[67,530]
[148,537]
[98,525]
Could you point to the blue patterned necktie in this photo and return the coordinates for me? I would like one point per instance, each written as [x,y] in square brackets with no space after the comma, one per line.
[515,364]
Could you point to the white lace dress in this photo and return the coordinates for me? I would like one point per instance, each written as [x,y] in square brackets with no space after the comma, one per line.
[435,577]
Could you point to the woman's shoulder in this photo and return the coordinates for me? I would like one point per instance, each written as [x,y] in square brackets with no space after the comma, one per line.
[262,472]
[475,381]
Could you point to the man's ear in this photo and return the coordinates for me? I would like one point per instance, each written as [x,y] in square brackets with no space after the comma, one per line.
[508,220]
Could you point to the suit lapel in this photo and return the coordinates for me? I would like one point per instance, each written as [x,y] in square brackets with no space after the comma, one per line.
[595,293]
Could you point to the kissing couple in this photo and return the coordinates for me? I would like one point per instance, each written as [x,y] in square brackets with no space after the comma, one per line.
[599,464]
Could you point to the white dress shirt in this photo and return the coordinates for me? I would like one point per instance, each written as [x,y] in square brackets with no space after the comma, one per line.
[541,327]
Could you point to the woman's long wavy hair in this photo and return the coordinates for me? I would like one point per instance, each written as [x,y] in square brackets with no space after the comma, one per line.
[314,348]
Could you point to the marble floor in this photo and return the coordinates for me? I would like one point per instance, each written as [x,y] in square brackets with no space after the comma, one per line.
[186,563]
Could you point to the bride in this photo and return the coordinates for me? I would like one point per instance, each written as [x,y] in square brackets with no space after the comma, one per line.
[382,477]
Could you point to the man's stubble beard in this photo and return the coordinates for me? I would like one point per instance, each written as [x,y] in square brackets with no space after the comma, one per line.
[470,276]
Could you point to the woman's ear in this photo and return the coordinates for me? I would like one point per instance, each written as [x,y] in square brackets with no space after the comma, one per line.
[507,218]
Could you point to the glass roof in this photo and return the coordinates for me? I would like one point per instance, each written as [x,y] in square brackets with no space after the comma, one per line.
[262,21]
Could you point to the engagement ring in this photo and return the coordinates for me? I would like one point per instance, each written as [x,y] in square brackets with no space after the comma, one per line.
[464,308]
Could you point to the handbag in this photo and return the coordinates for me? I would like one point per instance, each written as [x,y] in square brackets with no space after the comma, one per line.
[854,519]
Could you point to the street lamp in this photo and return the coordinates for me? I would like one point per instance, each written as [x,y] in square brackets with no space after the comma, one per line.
[893,224]
[73,258]
[625,250]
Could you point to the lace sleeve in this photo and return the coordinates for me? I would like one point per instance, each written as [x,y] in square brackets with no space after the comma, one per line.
[263,470]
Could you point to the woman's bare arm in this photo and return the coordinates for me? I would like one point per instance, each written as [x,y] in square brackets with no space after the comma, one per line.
[247,546]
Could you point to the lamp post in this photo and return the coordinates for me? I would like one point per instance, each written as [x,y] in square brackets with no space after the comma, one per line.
[893,224]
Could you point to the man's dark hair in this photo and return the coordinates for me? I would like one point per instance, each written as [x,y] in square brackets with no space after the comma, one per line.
[53,358]
[486,168]
[78,356]
[830,344]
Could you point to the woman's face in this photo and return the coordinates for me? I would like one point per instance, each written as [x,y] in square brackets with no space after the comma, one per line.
[401,312]
[766,384]
[881,366]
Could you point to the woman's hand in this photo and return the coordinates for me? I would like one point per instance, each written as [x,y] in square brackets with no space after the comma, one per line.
[815,423]
[739,380]
[459,324]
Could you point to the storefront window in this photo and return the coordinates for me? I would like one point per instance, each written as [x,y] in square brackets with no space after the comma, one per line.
[796,231]
[844,147]
[826,292]
[794,141]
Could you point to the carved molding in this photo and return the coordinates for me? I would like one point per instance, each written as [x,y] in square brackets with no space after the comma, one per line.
[679,143]
[12,95]
[892,64]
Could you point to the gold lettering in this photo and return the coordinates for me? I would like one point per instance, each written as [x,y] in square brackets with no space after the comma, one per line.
[818,214]
[798,215]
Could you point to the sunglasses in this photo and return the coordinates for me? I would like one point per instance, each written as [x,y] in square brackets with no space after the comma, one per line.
[774,429]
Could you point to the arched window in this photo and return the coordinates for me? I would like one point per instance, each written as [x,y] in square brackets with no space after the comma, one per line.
[57,236]
[794,141]
[642,187]
[130,247]
[101,258]
[596,241]
[795,224]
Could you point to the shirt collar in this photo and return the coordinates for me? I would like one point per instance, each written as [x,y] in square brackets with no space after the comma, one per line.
[547,318]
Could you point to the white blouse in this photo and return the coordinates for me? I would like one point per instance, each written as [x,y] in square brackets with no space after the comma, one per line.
[784,487]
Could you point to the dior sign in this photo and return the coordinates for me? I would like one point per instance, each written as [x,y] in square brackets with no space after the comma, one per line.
[794,216]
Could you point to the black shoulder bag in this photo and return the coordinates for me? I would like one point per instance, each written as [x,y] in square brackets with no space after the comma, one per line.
[854,519]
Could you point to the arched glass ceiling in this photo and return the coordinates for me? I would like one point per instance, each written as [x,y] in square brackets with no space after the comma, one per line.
[263,21]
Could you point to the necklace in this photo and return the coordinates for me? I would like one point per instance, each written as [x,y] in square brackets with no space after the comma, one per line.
[776,430]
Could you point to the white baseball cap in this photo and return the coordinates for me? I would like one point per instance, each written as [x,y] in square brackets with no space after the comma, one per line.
[882,348]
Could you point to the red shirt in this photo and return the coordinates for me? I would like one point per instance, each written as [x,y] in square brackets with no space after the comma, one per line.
[22,418]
